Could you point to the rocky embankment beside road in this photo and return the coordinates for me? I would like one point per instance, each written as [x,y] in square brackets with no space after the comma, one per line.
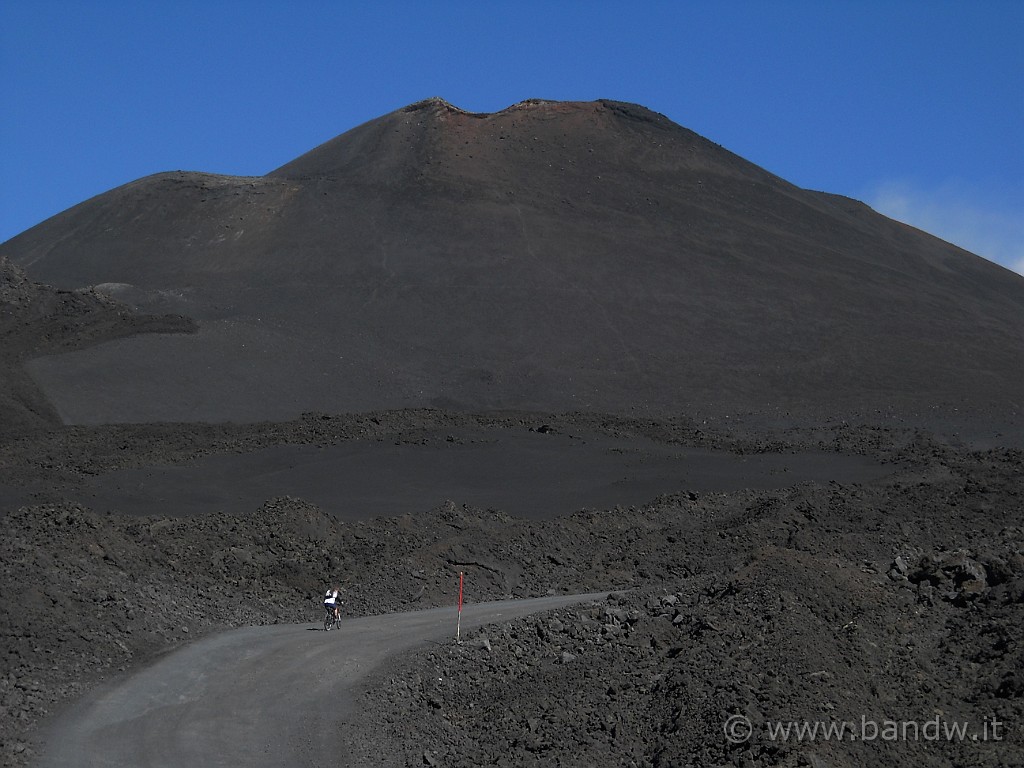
[654,677]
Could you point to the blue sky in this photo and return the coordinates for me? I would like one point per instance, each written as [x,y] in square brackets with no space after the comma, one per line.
[916,108]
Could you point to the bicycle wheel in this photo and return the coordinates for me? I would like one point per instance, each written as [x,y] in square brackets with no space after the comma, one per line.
[328,621]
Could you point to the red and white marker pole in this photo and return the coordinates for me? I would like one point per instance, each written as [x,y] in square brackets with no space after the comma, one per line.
[458,624]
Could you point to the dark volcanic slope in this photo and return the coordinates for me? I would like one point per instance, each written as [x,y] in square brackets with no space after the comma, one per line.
[551,256]
[37,319]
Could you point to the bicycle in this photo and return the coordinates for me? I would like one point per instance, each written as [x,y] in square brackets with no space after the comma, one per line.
[331,620]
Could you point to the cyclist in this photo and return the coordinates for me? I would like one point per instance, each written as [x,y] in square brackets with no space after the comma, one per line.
[332,604]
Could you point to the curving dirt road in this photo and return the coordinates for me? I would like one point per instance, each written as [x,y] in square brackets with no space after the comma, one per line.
[259,696]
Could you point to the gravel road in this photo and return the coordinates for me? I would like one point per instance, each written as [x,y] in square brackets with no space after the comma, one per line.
[257,696]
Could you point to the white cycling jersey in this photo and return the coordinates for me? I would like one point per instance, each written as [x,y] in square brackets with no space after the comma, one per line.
[331,597]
